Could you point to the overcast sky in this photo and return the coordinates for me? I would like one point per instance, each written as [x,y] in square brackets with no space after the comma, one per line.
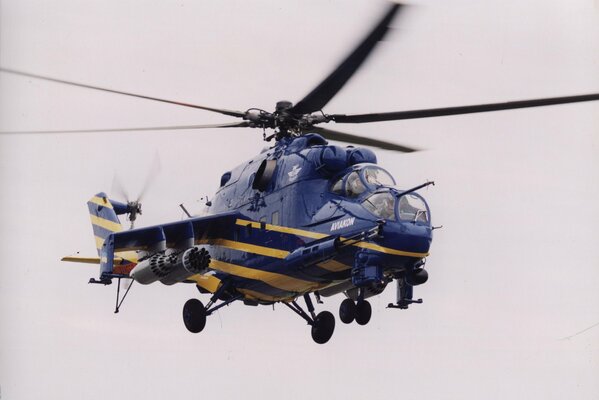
[513,272]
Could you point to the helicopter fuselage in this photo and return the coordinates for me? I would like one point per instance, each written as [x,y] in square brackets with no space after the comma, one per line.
[306,223]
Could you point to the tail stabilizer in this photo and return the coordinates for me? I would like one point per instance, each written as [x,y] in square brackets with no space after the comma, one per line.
[104,219]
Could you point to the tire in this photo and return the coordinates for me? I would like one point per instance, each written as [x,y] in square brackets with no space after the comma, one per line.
[363,312]
[323,327]
[347,311]
[194,315]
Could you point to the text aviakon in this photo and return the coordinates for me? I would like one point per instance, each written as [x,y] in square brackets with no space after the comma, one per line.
[344,223]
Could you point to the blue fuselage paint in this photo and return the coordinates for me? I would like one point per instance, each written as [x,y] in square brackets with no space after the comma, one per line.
[299,197]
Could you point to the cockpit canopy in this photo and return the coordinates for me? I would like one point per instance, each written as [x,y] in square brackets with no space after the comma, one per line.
[384,205]
[381,199]
[362,178]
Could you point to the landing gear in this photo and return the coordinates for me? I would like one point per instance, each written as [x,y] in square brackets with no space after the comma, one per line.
[194,315]
[323,324]
[347,311]
[360,311]
[363,312]
[323,327]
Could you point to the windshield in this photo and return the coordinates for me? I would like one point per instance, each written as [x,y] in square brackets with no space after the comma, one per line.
[381,204]
[412,208]
[366,179]
[378,177]
[353,185]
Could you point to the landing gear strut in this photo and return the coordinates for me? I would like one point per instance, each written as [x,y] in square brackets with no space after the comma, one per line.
[323,324]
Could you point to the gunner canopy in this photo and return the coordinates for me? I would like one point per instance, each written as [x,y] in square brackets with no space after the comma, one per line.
[365,179]
[382,200]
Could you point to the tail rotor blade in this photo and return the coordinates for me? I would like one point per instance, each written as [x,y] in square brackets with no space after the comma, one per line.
[153,172]
[118,190]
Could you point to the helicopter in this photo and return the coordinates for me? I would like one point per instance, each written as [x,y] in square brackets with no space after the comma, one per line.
[304,218]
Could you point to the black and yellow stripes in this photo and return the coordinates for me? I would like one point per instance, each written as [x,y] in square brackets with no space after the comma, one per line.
[103,218]
[246,247]
[318,235]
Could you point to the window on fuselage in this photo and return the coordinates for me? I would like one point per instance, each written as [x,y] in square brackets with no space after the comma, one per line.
[337,187]
[378,177]
[275,218]
[353,185]
[381,205]
[412,208]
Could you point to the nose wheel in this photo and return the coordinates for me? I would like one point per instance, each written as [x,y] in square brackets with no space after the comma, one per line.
[363,312]
[350,311]
[347,311]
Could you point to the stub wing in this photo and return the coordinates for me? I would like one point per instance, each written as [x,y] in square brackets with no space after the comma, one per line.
[178,235]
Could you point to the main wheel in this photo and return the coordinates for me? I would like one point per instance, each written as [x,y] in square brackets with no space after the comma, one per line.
[363,312]
[323,327]
[194,315]
[347,311]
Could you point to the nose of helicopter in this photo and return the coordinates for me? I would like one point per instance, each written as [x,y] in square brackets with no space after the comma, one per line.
[407,238]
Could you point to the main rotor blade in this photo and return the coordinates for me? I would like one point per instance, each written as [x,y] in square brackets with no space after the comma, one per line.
[349,138]
[440,112]
[178,103]
[150,128]
[324,92]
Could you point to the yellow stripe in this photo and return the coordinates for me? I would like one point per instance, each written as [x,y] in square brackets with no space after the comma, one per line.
[278,281]
[316,235]
[131,248]
[106,224]
[84,260]
[387,250]
[334,266]
[100,201]
[208,282]
[88,260]
[249,248]
[99,242]
[129,256]
[253,295]
[283,229]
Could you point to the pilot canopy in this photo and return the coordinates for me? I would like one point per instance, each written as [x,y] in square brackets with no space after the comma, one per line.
[374,188]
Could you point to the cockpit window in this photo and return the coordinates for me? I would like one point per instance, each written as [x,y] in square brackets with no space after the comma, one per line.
[353,185]
[412,208]
[337,187]
[378,177]
[381,204]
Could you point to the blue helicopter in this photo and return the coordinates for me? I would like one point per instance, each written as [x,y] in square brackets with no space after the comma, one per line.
[304,218]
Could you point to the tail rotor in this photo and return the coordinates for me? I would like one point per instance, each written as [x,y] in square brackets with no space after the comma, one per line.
[133,207]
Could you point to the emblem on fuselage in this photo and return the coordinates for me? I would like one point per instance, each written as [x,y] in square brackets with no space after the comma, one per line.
[344,223]
[294,172]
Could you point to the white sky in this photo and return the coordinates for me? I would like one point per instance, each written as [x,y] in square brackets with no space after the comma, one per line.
[513,271]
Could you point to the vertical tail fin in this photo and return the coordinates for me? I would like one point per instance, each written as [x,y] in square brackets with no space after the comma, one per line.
[103,215]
